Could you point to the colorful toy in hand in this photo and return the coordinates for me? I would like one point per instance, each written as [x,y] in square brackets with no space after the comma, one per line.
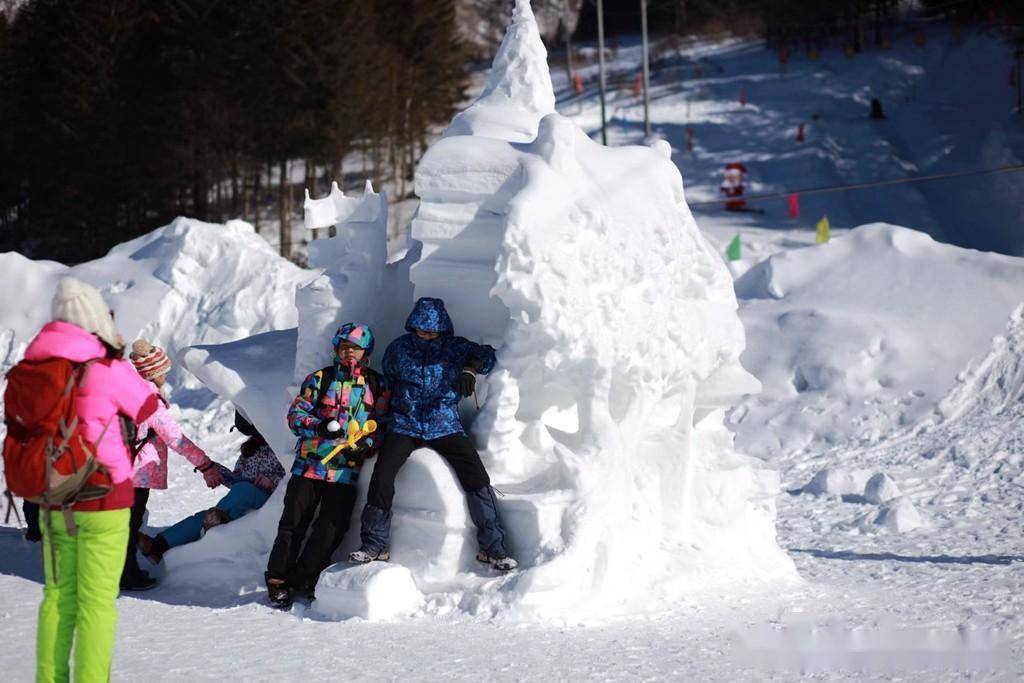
[355,432]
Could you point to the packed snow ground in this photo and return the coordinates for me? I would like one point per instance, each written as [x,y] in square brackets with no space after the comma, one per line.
[825,325]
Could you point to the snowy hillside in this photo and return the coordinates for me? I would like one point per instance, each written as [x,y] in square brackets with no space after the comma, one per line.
[948,105]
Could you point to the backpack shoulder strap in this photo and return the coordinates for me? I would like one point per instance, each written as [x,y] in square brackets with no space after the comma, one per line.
[327,377]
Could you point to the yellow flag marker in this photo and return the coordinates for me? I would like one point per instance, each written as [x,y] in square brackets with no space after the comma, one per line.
[355,432]
[823,230]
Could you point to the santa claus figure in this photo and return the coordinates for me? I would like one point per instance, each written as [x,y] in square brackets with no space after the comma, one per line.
[732,186]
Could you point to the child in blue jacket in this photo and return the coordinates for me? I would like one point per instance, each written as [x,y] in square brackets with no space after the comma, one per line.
[427,370]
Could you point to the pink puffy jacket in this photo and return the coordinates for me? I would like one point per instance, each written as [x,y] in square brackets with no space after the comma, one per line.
[151,463]
[111,388]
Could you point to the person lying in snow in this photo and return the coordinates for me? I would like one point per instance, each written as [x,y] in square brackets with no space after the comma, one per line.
[335,418]
[153,438]
[255,476]
[428,369]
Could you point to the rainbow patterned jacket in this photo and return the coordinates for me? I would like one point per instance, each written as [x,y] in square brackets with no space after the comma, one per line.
[357,393]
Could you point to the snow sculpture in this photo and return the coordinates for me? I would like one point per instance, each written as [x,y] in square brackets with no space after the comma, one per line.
[619,347]
[619,344]
[353,264]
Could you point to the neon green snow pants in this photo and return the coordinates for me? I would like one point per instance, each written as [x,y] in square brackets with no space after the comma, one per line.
[79,607]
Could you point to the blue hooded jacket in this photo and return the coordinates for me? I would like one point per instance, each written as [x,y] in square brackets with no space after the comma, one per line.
[422,374]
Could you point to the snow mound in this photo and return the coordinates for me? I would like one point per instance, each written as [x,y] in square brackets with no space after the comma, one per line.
[834,481]
[619,344]
[995,382]
[183,284]
[880,489]
[861,336]
[375,591]
[897,516]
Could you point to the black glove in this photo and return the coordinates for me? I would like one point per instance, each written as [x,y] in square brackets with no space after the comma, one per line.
[324,433]
[465,385]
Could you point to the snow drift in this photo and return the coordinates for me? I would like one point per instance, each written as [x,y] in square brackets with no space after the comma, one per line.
[858,338]
[619,347]
[186,283]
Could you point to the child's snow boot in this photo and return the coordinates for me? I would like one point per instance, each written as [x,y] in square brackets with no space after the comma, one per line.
[153,548]
[214,517]
[502,563]
[364,555]
[278,593]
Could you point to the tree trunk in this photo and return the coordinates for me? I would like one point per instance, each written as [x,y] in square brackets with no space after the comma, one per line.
[257,175]
[285,211]
[234,187]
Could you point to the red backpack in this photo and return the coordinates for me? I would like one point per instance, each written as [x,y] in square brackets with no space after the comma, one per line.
[47,460]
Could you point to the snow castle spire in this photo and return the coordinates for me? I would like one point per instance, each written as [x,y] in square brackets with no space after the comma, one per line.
[518,93]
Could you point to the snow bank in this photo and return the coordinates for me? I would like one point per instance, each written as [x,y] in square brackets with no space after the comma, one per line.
[995,382]
[619,345]
[859,337]
[186,283]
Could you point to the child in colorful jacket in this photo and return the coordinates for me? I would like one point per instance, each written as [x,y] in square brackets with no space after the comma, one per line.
[330,417]
[255,476]
[428,370]
[154,438]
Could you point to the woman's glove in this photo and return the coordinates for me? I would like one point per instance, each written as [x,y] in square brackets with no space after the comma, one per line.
[211,475]
[328,429]
[465,385]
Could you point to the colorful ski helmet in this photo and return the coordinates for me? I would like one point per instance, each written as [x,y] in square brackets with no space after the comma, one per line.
[354,333]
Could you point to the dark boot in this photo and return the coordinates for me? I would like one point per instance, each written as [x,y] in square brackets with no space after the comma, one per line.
[138,581]
[153,548]
[214,517]
[376,530]
[278,593]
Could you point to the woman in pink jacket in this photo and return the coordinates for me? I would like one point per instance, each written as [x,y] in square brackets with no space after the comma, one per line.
[154,438]
[80,592]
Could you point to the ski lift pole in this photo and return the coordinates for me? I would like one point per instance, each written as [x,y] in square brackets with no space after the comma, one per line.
[600,66]
[647,70]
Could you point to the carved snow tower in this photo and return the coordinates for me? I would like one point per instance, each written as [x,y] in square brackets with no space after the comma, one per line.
[619,347]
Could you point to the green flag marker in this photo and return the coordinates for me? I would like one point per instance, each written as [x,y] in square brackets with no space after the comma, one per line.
[733,252]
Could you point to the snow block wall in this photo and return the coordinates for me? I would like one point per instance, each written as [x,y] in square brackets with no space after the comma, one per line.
[352,266]
[618,350]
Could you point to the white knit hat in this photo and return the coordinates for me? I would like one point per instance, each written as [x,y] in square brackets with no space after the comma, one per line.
[80,304]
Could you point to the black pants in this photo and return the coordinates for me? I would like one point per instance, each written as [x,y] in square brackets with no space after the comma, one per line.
[131,560]
[457,449]
[301,500]
[32,532]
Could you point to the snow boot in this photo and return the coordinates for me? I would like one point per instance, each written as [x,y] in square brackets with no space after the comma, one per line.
[365,555]
[153,548]
[214,517]
[501,563]
[140,581]
[278,593]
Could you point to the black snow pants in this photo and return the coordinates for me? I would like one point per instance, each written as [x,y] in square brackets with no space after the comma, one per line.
[300,564]
[131,560]
[458,450]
